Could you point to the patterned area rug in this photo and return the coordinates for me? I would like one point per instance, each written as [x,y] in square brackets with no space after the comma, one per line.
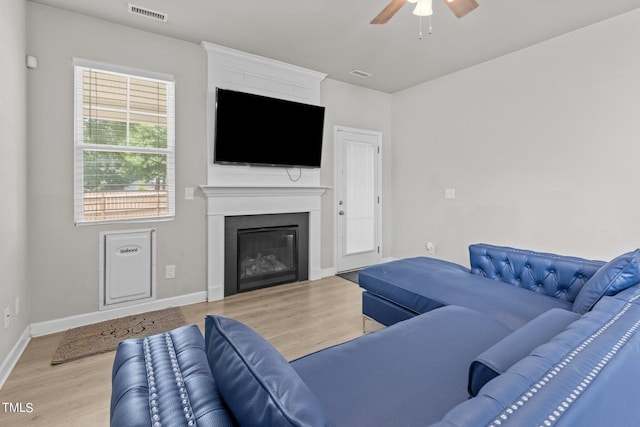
[105,336]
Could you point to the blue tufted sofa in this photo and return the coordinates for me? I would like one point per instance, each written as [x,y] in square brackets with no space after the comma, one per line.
[538,282]
[561,368]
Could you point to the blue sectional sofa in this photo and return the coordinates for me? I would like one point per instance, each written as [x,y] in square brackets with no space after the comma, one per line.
[561,368]
[538,282]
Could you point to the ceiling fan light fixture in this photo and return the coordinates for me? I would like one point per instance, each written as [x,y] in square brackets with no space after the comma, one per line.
[423,8]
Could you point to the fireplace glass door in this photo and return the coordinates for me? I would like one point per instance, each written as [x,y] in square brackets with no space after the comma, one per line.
[266,257]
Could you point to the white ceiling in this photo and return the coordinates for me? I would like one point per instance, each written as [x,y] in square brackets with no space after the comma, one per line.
[335,37]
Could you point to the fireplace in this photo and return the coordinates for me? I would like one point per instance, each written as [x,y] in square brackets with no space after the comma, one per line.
[225,202]
[265,250]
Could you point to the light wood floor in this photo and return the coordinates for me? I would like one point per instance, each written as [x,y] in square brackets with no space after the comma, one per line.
[296,318]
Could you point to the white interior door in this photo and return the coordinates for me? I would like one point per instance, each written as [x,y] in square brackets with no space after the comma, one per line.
[358,203]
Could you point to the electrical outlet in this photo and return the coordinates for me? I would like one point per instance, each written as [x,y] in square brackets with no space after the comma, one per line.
[7,317]
[170,272]
[430,247]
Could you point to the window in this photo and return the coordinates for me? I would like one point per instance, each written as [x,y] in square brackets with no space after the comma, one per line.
[124,144]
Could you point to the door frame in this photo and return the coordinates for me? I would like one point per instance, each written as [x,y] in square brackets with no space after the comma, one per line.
[337,153]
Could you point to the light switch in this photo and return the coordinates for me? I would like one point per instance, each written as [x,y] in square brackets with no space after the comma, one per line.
[170,272]
[449,193]
[32,62]
[188,193]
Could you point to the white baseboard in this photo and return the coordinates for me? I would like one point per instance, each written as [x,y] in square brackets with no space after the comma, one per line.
[14,355]
[332,271]
[215,293]
[59,325]
[326,272]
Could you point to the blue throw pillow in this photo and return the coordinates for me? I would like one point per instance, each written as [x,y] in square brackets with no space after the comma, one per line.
[613,277]
[255,381]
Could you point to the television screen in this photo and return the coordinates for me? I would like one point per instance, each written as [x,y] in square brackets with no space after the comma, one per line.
[259,130]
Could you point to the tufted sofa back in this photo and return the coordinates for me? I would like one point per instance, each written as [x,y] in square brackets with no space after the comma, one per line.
[164,380]
[549,274]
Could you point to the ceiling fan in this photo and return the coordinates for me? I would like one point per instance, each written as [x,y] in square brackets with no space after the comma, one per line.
[423,8]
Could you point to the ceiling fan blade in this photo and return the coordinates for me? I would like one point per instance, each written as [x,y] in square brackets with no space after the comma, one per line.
[461,7]
[388,12]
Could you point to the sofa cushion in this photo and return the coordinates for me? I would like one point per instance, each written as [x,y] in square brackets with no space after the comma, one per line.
[422,284]
[613,277]
[515,346]
[409,374]
[402,281]
[255,381]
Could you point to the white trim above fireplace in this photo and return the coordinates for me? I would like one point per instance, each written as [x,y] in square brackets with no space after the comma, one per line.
[257,200]
[241,71]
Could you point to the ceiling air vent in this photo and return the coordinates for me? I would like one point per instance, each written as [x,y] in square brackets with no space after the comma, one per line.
[143,11]
[361,74]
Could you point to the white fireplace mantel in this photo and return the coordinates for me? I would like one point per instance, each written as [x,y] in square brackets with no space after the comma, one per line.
[223,201]
[214,191]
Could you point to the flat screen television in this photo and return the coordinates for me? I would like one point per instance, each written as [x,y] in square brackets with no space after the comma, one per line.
[258,130]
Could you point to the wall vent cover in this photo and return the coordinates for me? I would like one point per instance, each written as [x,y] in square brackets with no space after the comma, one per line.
[143,11]
[361,74]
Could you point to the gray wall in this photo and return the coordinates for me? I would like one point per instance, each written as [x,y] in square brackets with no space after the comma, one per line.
[541,145]
[13,170]
[64,258]
[65,277]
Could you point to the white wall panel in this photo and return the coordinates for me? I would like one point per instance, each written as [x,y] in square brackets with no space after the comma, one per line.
[127,267]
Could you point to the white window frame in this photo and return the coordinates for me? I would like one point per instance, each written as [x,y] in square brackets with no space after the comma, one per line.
[80,146]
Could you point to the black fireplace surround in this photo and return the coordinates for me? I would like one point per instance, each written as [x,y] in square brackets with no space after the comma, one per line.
[265,250]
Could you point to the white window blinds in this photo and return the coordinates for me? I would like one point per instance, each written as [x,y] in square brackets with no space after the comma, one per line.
[124,144]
